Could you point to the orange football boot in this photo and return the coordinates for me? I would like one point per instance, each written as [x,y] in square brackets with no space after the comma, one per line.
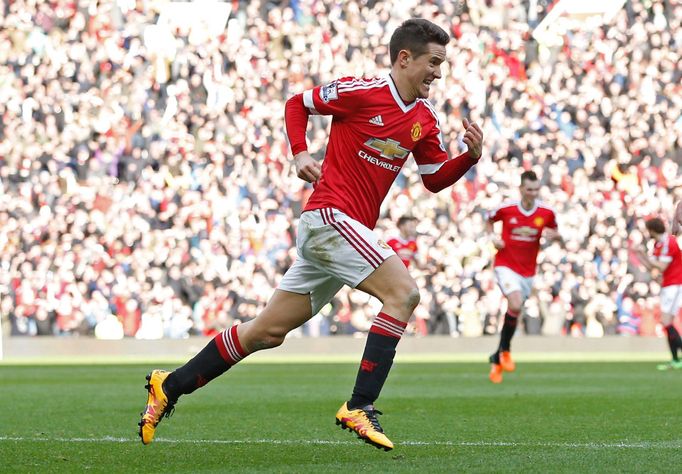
[495,375]
[506,361]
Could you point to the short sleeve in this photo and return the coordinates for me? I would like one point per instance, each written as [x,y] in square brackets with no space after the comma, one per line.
[552,222]
[495,215]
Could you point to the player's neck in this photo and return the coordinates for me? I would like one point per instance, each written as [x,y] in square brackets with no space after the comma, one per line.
[528,205]
[402,87]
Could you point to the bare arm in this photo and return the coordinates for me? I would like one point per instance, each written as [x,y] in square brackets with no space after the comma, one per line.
[555,236]
[490,229]
[676,226]
[651,263]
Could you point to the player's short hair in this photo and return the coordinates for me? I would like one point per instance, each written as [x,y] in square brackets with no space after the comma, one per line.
[655,224]
[528,176]
[414,35]
[405,219]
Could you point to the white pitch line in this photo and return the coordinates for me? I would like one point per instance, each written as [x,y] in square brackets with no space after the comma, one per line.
[305,442]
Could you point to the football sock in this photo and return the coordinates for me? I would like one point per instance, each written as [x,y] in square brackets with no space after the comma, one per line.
[221,353]
[377,359]
[508,329]
[674,341]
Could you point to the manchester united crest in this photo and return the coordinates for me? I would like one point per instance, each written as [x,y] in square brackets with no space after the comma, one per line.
[538,221]
[416,132]
[383,244]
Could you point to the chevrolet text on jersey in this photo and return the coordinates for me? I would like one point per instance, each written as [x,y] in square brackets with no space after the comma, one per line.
[376,161]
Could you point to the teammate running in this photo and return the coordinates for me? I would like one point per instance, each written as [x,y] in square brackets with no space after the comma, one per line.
[523,223]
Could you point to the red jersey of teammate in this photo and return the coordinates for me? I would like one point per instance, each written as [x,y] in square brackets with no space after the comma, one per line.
[404,248]
[521,232]
[667,250]
[372,134]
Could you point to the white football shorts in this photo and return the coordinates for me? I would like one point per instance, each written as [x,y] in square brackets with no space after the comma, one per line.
[509,281]
[333,250]
[671,299]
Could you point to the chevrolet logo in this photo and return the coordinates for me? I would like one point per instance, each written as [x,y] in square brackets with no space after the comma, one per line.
[525,231]
[388,149]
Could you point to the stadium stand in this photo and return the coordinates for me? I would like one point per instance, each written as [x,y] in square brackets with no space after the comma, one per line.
[146,187]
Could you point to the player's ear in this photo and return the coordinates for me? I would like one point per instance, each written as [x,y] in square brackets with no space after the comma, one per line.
[404,57]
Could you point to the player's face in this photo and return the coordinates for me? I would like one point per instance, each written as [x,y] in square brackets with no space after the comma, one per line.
[424,69]
[529,191]
[409,229]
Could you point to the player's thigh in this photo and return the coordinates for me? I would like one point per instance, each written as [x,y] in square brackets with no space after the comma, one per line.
[515,287]
[310,279]
[285,311]
[390,280]
[671,303]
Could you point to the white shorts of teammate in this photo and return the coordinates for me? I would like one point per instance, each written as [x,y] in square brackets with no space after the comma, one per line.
[333,250]
[671,299]
[509,281]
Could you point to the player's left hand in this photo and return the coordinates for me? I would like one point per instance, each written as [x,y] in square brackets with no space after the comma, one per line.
[552,234]
[677,219]
[473,137]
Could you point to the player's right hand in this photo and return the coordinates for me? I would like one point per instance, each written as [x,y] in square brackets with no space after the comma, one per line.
[498,243]
[307,168]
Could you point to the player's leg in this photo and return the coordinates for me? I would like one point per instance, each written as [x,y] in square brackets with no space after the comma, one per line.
[516,289]
[671,300]
[362,260]
[515,302]
[393,286]
[284,312]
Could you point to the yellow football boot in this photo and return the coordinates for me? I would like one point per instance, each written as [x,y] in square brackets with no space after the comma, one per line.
[365,424]
[157,407]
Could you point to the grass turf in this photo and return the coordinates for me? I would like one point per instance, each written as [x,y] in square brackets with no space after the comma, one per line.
[443,417]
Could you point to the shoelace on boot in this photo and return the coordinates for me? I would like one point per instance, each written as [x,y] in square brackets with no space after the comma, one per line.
[169,410]
[372,417]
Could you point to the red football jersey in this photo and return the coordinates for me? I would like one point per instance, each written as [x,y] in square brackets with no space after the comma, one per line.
[372,134]
[521,232]
[406,249]
[667,250]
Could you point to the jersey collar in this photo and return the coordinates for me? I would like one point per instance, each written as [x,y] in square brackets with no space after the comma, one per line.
[527,212]
[396,96]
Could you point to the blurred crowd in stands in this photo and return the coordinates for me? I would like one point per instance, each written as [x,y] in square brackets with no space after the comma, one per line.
[147,189]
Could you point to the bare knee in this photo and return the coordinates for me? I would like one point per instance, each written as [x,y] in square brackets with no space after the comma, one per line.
[667,319]
[413,298]
[515,303]
[257,338]
[406,297]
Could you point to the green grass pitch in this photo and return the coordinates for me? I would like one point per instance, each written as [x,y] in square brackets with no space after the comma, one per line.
[442,417]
